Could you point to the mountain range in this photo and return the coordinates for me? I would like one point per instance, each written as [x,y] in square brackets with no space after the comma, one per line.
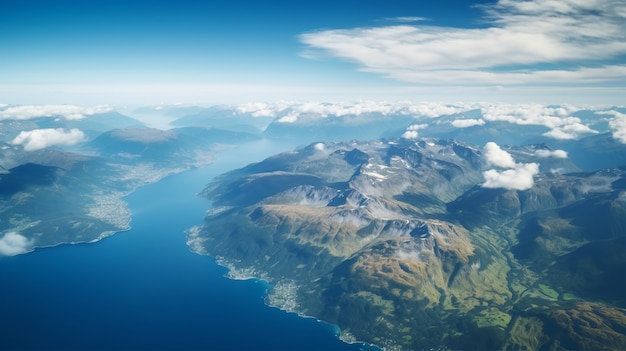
[403,244]
[383,222]
[51,196]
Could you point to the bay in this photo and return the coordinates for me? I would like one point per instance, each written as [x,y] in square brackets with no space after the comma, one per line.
[144,290]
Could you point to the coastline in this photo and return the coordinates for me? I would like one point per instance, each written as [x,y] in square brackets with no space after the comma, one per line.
[281,294]
[106,263]
[113,208]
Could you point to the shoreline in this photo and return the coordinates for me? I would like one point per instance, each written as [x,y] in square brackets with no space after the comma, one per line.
[120,197]
[233,273]
[251,273]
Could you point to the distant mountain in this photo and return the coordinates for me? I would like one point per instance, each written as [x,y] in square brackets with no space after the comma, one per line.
[10,128]
[174,146]
[595,152]
[50,196]
[397,242]
[310,127]
[91,125]
[175,111]
[147,143]
[225,118]
[104,121]
[502,133]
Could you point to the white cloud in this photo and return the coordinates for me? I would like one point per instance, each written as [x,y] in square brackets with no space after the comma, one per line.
[345,109]
[530,114]
[551,153]
[262,109]
[469,122]
[617,124]
[411,131]
[66,111]
[435,109]
[495,156]
[42,138]
[569,131]
[12,244]
[291,117]
[518,178]
[319,146]
[520,34]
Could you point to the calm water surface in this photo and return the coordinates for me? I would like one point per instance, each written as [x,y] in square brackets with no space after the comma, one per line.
[144,289]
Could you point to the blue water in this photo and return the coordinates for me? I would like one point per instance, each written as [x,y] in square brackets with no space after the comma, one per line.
[144,289]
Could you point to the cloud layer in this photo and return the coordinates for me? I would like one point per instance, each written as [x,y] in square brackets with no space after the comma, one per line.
[287,112]
[521,44]
[42,138]
[12,244]
[559,120]
[24,112]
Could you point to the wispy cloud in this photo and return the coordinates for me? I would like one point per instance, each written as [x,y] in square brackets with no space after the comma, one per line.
[23,112]
[551,153]
[405,19]
[523,42]
[42,138]
[12,244]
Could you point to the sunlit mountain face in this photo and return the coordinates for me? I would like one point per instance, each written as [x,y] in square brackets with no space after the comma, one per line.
[411,175]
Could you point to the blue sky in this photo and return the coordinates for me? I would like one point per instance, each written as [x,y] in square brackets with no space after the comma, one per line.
[121,52]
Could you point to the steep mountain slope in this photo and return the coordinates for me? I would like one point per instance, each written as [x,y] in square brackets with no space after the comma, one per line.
[397,242]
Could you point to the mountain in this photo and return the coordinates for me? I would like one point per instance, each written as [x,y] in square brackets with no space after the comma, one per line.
[175,146]
[310,127]
[399,243]
[595,152]
[26,176]
[175,111]
[223,117]
[51,196]
[500,132]
[94,124]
